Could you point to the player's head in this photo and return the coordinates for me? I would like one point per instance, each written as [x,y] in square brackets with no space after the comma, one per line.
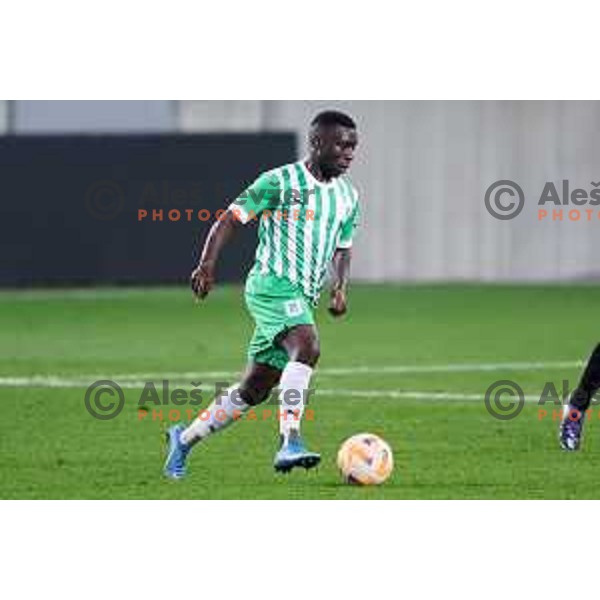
[332,140]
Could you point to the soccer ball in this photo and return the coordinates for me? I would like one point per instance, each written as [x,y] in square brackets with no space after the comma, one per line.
[365,459]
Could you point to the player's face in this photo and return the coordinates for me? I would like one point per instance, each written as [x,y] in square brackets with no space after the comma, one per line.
[337,147]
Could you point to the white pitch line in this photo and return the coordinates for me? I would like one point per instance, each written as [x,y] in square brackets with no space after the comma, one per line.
[372,393]
[134,380]
[370,370]
[452,368]
[410,395]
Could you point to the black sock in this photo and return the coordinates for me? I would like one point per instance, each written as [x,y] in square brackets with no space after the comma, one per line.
[589,383]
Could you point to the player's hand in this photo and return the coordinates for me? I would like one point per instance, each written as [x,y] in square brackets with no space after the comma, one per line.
[202,280]
[338,304]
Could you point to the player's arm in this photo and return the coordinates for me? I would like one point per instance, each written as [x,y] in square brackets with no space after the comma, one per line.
[341,263]
[203,276]
[264,192]
[341,271]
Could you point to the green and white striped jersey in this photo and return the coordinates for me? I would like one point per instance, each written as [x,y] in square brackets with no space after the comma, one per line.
[301,223]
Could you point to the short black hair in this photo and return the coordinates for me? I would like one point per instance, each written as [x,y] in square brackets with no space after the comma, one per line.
[333,117]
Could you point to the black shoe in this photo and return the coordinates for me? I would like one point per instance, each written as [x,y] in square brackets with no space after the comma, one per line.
[571,428]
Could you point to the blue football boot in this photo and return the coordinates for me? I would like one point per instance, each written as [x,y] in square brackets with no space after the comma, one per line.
[177,453]
[293,454]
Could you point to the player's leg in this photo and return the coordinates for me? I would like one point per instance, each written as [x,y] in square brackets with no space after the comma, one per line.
[285,337]
[254,388]
[227,407]
[571,427]
[301,344]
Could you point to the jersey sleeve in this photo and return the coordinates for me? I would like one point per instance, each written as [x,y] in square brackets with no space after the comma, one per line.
[348,227]
[263,194]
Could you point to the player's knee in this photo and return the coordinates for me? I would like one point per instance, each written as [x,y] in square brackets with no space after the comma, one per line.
[302,345]
[308,352]
[254,394]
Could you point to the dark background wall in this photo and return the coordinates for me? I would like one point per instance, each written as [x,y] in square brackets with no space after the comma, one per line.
[69,205]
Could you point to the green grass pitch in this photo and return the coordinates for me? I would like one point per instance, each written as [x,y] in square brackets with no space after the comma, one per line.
[50,447]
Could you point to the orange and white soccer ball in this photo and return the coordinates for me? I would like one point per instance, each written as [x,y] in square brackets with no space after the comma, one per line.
[365,459]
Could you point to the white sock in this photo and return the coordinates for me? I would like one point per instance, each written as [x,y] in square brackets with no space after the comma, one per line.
[294,383]
[222,411]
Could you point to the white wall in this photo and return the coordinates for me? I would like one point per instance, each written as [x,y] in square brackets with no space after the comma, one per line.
[423,169]
[94,116]
[197,116]
[3,117]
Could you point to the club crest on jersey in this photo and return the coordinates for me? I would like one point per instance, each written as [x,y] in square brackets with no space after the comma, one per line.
[293,308]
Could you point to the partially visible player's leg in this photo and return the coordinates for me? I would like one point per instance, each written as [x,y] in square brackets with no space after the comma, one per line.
[254,388]
[285,337]
[302,346]
[571,428]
